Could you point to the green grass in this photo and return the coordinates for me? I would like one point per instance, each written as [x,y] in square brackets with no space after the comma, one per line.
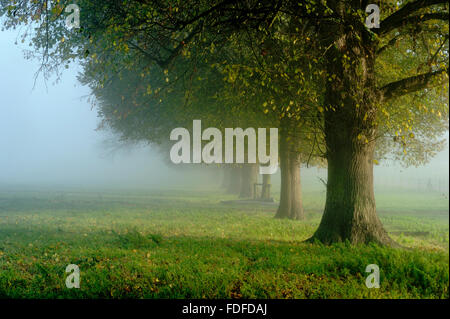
[185,244]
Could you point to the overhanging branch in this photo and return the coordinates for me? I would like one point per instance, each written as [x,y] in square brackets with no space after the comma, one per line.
[403,15]
[411,84]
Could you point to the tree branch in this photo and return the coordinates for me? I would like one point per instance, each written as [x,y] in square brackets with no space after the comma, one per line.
[403,16]
[411,84]
[391,43]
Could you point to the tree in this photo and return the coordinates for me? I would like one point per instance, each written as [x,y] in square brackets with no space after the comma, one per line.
[353,97]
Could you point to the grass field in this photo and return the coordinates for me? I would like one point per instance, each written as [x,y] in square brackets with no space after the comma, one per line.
[186,244]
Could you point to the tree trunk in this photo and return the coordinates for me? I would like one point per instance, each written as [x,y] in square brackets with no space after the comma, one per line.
[350,213]
[265,189]
[249,178]
[351,101]
[291,205]
[234,185]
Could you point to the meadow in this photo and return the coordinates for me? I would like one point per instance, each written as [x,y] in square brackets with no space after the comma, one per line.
[188,244]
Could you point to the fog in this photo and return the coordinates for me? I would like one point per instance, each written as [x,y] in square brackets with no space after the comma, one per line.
[48,139]
[48,136]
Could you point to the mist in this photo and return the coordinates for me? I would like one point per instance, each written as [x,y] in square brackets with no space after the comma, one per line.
[48,134]
[48,138]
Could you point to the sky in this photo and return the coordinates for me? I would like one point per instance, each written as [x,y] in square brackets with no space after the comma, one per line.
[48,137]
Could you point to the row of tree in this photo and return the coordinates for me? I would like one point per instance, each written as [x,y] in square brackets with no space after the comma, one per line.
[342,95]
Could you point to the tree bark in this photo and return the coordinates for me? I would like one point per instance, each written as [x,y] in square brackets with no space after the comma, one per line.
[291,205]
[350,213]
[249,178]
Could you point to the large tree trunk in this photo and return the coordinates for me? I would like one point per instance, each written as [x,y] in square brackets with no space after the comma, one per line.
[350,213]
[291,205]
[351,101]
[249,178]
[265,189]
[234,185]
